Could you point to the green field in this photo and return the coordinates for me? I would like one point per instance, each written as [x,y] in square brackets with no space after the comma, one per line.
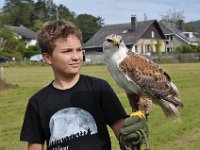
[165,134]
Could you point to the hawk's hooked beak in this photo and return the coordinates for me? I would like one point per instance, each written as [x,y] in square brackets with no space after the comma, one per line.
[116,42]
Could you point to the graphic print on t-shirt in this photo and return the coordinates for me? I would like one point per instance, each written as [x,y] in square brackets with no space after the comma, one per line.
[68,125]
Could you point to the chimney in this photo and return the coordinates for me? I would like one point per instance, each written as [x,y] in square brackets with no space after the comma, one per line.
[180,25]
[133,23]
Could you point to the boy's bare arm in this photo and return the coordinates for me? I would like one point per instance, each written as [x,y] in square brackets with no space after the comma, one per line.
[117,126]
[34,146]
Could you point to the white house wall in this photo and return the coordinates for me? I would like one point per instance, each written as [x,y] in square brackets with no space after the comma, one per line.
[146,46]
[31,42]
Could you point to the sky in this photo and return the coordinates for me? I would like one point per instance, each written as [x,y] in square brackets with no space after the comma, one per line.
[120,11]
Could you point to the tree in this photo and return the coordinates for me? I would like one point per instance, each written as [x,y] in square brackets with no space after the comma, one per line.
[172,16]
[186,48]
[190,28]
[16,12]
[31,50]
[88,25]
[40,11]
[33,14]
[51,9]
[158,51]
[65,13]
[10,45]
[37,25]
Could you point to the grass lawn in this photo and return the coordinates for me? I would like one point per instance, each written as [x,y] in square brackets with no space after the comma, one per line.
[165,134]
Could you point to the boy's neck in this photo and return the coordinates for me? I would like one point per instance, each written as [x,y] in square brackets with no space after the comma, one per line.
[66,83]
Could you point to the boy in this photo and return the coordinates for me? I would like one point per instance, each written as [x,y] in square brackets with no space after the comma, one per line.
[73,111]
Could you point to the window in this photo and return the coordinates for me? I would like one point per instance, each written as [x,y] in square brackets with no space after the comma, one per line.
[148,48]
[187,35]
[136,48]
[99,50]
[171,37]
[152,34]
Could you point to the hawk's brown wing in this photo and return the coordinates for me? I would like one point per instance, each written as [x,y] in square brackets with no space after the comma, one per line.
[149,77]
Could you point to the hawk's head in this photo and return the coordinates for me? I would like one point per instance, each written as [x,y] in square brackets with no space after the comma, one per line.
[112,41]
[114,44]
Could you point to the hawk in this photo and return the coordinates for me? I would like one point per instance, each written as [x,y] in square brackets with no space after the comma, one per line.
[142,79]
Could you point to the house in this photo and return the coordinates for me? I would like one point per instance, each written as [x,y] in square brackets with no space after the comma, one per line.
[176,36]
[142,37]
[26,34]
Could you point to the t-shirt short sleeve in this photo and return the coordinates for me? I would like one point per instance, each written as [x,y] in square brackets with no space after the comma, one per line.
[111,105]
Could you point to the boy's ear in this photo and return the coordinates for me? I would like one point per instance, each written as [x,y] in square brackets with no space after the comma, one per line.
[47,58]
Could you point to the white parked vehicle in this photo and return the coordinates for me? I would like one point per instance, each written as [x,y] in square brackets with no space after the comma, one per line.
[37,58]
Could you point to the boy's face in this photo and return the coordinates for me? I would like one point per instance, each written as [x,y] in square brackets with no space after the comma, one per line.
[67,57]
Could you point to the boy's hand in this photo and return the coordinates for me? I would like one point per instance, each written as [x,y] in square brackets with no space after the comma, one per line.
[133,131]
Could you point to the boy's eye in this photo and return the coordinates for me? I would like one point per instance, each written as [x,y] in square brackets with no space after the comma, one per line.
[80,49]
[66,51]
[71,50]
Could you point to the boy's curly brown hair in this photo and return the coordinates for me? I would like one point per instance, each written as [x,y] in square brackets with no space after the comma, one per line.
[52,30]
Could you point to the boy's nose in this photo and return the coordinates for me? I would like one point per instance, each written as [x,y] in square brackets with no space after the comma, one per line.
[75,55]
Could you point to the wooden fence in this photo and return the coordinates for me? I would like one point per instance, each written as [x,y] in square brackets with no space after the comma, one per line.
[165,58]
[176,58]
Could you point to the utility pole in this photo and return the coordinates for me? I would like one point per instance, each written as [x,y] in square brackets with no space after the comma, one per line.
[57,13]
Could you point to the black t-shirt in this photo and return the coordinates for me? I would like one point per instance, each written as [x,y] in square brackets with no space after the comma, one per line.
[73,119]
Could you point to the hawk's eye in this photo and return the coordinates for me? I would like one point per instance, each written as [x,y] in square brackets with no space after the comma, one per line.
[109,40]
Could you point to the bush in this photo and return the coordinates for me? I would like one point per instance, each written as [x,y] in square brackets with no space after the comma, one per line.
[17,55]
[10,43]
[186,48]
[31,50]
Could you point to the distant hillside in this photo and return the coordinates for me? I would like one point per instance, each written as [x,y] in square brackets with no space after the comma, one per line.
[196,24]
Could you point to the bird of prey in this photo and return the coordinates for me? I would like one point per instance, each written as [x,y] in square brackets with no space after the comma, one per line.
[142,79]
